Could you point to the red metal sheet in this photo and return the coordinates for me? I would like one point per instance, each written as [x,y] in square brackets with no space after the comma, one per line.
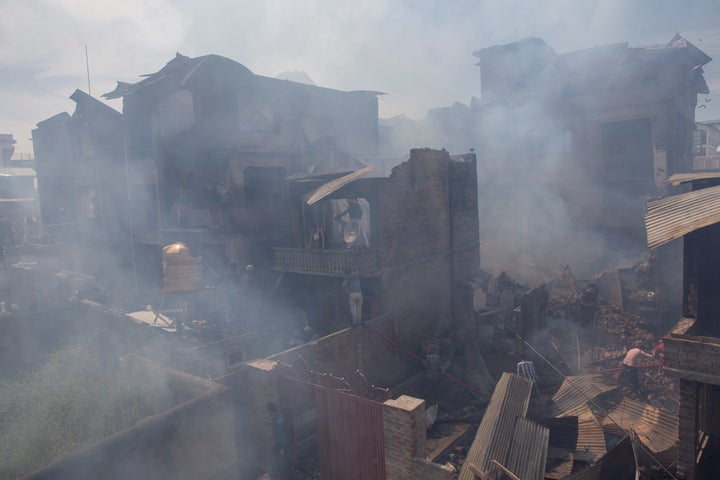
[350,436]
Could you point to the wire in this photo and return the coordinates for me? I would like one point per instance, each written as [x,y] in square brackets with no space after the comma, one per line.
[420,359]
[590,400]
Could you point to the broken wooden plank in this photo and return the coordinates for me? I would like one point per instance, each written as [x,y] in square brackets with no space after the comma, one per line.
[505,470]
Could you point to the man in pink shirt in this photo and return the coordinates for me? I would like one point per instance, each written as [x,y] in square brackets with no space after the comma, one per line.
[631,363]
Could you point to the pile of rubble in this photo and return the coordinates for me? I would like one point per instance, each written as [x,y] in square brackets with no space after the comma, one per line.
[583,420]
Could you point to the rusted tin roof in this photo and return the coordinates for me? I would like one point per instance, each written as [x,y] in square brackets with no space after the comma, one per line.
[576,391]
[528,452]
[591,438]
[578,433]
[562,468]
[673,217]
[655,427]
[495,434]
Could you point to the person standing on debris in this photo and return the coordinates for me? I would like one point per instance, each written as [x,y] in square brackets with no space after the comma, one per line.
[281,442]
[631,364]
[352,286]
[432,364]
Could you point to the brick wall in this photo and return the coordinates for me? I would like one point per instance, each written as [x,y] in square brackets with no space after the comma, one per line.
[405,437]
[404,426]
[343,352]
[465,220]
[418,236]
[693,358]
[687,429]
[414,217]
[194,439]
[257,385]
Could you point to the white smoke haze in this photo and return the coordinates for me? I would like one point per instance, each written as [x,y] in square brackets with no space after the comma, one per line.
[419,54]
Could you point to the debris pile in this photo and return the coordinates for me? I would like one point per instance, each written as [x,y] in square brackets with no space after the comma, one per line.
[578,334]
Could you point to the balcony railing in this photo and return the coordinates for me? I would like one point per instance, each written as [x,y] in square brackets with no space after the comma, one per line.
[326,262]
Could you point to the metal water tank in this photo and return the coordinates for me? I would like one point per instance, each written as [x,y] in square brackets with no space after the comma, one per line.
[181,271]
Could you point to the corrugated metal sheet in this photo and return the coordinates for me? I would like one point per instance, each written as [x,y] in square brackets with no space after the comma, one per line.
[336,184]
[673,217]
[591,437]
[575,392]
[680,178]
[587,441]
[17,172]
[350,436]
[563,439]
[590,473]
[509,401]
[562,468]
[528,452]
[655,427]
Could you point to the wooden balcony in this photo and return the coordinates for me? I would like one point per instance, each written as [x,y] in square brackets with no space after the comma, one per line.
[327,262]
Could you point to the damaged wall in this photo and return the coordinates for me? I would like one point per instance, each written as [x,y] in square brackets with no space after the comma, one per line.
[428,240]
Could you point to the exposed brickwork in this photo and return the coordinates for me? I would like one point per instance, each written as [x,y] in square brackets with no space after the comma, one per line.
[405,437]
[428,240]
[465,221]
[343,352]
[260,382]
[687,429]
[693,359]
[404,425]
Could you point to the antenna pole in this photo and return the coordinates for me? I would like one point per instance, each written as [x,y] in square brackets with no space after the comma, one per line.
[87,68]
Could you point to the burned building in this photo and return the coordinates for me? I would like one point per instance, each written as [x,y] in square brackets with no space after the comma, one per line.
[706,142]
[571,146]
[82,193]
[413,241]
[200,154]
[209,145]
[579,141]
[7,148]
[79,161]
[692,348]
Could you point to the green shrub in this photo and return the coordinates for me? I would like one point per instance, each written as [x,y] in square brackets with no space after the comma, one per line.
[69,402]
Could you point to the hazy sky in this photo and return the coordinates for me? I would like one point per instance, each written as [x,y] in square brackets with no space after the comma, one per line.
[418,52]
